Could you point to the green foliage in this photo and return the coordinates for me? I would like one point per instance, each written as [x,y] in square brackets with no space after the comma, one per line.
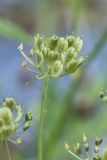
[11,30]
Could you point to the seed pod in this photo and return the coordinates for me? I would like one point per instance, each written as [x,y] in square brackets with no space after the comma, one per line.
[77,44]
[71,67]
[77,149]
[62,44]
[70,54]
[98,141]
[10,103]
[38,41]
[57,69]
[52,42]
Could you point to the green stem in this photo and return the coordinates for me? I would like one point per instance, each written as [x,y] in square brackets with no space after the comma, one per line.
[7,153]
[40,129]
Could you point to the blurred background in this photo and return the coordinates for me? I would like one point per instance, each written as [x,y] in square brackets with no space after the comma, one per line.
[73,102]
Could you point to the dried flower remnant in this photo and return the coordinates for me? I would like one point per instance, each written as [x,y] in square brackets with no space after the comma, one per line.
[53,57]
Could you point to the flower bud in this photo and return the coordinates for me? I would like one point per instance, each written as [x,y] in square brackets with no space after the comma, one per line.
[77,44]
[52,42]
[62,44]
[10,103]
[57,69]
[77,149]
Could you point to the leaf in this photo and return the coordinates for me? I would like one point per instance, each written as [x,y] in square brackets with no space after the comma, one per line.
[11,30]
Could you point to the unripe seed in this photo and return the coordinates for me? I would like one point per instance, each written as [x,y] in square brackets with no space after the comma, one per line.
[70,40]
[57,69]
[40,58]
[52,42]
[52,57]
[77,44]
[70,54]
[71,66]
[6,115]
[62,44]
[38,41]
[10,103]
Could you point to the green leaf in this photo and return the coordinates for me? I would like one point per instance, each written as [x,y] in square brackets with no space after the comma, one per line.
[9,29]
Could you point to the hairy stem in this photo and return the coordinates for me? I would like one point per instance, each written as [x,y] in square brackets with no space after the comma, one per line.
[7,153]
[40,129]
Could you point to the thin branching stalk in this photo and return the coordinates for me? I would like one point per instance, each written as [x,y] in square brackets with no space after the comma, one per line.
[74,155]
[40,129]
[7,153]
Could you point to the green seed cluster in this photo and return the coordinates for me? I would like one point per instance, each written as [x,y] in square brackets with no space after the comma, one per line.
[80,148]
[54,56]
[9,123]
